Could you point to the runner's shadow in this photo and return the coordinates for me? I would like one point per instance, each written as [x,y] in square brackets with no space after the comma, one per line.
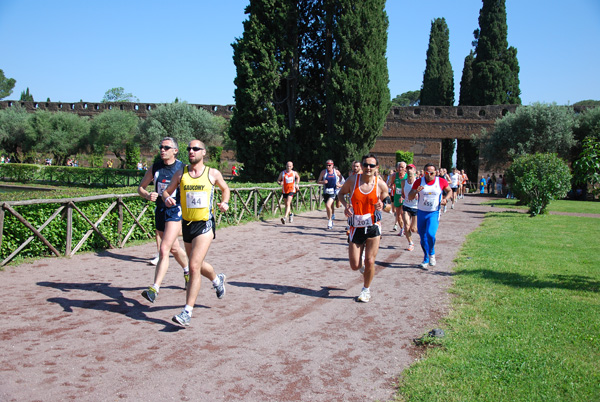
[115,302]
[128,258]
[282,290]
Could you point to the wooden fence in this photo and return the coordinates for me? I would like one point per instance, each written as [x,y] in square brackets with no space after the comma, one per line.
[248,203]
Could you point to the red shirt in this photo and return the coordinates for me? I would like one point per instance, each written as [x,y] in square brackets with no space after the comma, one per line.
[443,183]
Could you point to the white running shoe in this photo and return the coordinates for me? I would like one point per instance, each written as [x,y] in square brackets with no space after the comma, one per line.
[395,227]
[424,264]
[154,261]
[291,219]
[432,261]
[365,296]
[452,206]
[330,224]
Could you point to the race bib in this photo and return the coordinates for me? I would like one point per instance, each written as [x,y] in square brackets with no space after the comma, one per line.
[160,187]
[398,191]
[362,221]
[196,199]
[329,191]
[289,179]
[430,200]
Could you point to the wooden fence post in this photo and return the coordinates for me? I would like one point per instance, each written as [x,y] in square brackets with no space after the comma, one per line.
[1,224]
[69,228]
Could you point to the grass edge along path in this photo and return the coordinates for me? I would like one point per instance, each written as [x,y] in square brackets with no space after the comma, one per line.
[524,324]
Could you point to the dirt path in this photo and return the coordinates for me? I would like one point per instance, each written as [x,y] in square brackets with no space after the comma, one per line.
[288,328]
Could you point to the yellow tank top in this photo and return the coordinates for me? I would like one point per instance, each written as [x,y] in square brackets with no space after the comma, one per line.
[197,196]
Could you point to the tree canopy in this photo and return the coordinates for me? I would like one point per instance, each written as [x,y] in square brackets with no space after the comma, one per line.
[118,94]
[6,85]
[311,83]
[538,128]
[408,98]
[112,130]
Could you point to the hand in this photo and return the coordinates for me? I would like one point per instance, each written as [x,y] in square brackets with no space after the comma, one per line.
[153,196]
[348,210]
[170,202]
[443,201]
[223,206]
[420,188]
[379,205]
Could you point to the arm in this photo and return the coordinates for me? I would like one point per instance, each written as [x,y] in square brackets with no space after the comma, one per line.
[384,197]
[446,196]
[340,179]
[321,181]
[225,192]
[297,179]
[150,196]
[166,195]
[280,179]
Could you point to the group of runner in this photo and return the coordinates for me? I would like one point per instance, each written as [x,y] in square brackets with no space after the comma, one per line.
[185,205]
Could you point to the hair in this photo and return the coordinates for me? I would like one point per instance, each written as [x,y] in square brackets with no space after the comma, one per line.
[371,156]
[429,164]
[173,140]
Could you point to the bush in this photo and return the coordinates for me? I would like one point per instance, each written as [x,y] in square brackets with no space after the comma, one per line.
[538,179]
[404,156]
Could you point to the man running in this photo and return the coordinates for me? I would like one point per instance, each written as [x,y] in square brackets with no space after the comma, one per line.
[433,192]
[167,220]
[455,180]
[367,194]
[289,179]
[197,183]
[330,178]
[399,178]
[409,207]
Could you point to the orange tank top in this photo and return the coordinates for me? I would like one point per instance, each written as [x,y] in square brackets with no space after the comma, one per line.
[364,204]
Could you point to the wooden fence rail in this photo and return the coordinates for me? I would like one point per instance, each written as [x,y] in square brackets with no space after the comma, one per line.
[244,203]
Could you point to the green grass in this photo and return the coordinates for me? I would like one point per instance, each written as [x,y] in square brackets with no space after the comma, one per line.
[525,320]
[580,207]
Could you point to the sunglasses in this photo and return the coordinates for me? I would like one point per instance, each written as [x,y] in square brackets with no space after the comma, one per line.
[195,149]
[330,164]
[429,172]
[165,147]
[371,165]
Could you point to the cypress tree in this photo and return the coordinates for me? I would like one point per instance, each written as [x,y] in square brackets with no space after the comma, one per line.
[311,83]
[438,78]
[495,68]
[465,97]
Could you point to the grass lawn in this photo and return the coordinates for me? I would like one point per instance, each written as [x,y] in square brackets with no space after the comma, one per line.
[524,323]
[581,207]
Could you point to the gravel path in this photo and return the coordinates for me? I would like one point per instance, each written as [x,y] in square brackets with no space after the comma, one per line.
[288,328]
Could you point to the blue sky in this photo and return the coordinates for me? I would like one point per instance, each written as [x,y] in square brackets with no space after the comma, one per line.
[76,50]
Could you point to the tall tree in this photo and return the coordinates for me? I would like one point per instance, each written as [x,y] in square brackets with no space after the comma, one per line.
[118,94]
[6,85]
[438,79]
[259,125]
[408,98]
[495,68]
[26,96]
[14,122]
[466,94]
[112,130]
[311,83]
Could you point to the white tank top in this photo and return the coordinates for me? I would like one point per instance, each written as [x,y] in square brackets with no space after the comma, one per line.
[406,187]
[430,196]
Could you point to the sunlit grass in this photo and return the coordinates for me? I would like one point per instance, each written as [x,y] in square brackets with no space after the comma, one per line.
[581,207]
[525,322]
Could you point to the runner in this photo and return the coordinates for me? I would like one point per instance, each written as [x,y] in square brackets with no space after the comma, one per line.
[455,180]
[330,179]
[430,190]
[464,183]
[399,178]
[196,182]
[167,220]
[290,180]
[367,194]
[409,207]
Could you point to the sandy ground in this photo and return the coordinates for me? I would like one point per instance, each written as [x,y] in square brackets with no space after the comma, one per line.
[288,329]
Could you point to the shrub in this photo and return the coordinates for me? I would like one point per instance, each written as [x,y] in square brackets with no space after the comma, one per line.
[404,156]
[538,179]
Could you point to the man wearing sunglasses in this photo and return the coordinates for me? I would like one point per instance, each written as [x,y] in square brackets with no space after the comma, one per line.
[368,196]
[433,192]
[332,180]
[196,183]
[167,220]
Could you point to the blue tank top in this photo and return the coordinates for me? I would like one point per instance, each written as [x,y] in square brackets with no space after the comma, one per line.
[162,177]
[330,186]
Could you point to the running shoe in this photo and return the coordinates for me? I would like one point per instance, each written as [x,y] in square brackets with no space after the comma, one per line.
[365,296]
[452,206]
[182,318]
[291,218]
[432,261]
[444,209]
[424,264]
[150,294]
[333,217]
[220,289]
[401,233]
[154,261]
[330,225]
[186,278]
[395,227]
[411,247]
[362,269]
[283,221]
